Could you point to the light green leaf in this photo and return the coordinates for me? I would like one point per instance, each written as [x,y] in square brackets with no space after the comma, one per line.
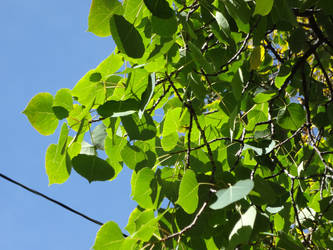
[113,147]
[109,237]
[133,10]
[132,155]
[92,85]
[188,192]
[127,38]
[40,114]
[63,103]
[232,194]
[141,189]
[92,168]
[159,8]
[264,96]
[57,162]
[145,225]
[99,16]
[291,117]
[242,230]
[263,7]
[170,126]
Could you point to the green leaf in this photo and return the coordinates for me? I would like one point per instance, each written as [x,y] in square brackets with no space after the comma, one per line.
[92,168]
[126,36]
[164,27]
[100,13]
[261,151]
[147,94]
[118,108]
[141,190]
[232,194]
[263,7]
[188,192]
[257,57]
[291,117]
[170,126]
[288,242]
[113,147]
[88,89]
[237,84]
[146,225]
[159,8]
[40,114]
[63,103]
[242,230]
[109,237]
[134,10]
[264,96]
[139,129]
[132,156]
[326,208]
[222,23]
[57,162]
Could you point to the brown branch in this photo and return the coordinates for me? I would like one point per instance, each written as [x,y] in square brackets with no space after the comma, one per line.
[296,211]
[188,227]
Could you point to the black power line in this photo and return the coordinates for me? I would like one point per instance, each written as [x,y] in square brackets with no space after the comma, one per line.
[50,199]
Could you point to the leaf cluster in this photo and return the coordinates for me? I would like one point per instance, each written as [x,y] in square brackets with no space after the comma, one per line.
[223,111]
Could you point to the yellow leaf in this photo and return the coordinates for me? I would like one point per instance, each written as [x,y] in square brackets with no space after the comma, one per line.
[257,57]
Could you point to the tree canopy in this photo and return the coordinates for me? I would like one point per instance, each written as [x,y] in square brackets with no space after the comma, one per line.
[223,111]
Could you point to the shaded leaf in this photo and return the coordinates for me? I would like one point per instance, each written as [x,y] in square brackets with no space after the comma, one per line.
[126,36]
[118,108]
[159,8]
[232,194]
[92,168]
[291,117]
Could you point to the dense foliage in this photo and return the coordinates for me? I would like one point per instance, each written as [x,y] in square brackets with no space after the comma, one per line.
[223,110]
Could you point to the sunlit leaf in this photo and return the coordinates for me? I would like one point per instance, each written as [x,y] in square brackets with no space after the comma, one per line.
[109,237]
[40,113]
[100,13]
[188,192]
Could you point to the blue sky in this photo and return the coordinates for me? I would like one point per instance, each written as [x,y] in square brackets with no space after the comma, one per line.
[44,46]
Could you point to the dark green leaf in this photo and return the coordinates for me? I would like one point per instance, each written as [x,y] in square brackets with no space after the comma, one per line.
[118,108]
[159,8]
[139,129]
[92,168]
[127,38]
[291,117]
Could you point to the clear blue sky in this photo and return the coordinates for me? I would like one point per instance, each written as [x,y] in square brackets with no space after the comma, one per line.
[44,46]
